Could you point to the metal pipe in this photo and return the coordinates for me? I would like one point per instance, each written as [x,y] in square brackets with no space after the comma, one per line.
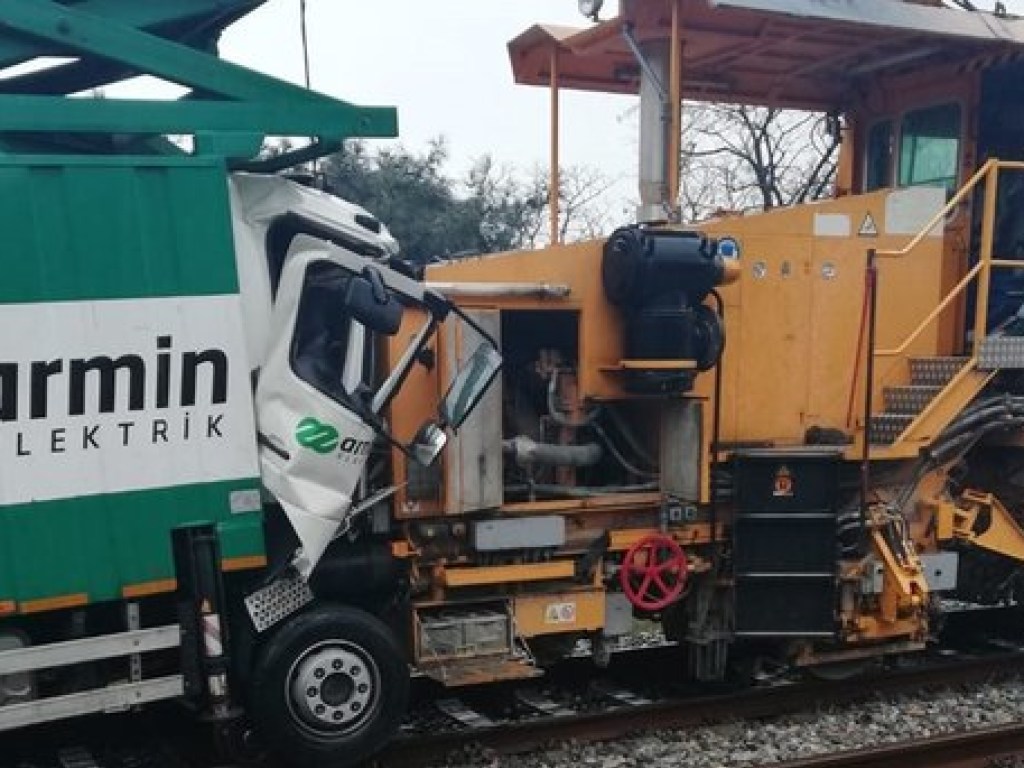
[560,418]
[869,376]
[988,229]
[578,492]
[645,66]
[528,451]
[675,87]
[653,59]
[716,436]
[502,290]
[554,181]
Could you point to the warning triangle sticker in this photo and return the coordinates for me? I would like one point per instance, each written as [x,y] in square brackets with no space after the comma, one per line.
[868,228]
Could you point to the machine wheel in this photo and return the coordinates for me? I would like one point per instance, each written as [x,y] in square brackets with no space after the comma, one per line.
[329,688]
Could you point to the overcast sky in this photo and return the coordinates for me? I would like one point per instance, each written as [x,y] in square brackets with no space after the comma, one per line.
[445,65]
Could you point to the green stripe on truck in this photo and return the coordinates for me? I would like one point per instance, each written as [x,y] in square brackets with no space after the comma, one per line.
[98,544]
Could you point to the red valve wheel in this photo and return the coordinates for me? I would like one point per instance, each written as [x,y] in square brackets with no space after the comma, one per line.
[653,572]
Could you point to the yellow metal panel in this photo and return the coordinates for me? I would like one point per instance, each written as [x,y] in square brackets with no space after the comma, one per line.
[612,502]
[694,533]
[507,574]
[577,266]
[794,318]
[413,405]
[561,612]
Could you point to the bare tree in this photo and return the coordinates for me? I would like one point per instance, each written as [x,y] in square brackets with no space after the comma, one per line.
[741,158]
[583,205]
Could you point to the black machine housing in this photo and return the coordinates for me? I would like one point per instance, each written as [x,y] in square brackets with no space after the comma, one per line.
[660,280]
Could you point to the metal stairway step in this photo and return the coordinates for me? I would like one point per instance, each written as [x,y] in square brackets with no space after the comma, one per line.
[909,400]
[886,427]
[934,371]
[1001,352]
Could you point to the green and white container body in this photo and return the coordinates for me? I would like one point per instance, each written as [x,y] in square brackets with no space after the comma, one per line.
[138,309]
[125,396]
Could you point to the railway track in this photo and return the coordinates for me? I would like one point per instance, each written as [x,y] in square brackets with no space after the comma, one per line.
[619,719]
[574,703]
[982,748]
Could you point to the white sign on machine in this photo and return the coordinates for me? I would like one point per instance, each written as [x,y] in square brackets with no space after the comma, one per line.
[122,394]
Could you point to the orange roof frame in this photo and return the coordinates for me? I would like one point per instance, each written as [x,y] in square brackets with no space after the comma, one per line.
[806,54]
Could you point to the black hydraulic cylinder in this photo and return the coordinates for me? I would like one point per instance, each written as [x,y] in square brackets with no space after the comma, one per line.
[205,641]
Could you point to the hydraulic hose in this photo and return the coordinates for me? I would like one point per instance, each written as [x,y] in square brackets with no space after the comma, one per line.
[618,454]
[560,418]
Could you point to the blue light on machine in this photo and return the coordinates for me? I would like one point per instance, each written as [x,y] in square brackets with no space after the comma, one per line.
[728,248]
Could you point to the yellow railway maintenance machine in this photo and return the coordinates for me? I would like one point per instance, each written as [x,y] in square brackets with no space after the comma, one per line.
[806,491]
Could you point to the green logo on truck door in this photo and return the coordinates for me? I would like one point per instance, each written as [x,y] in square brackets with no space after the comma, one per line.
[315,435]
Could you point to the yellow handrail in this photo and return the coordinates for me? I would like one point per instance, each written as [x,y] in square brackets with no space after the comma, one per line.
[942,214]
[1013,165]
[982,270]
[934,314]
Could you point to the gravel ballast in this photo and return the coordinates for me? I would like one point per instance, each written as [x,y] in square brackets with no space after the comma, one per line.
[872,722]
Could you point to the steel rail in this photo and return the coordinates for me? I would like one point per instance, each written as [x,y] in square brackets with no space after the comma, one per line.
[963,749]
[620,721]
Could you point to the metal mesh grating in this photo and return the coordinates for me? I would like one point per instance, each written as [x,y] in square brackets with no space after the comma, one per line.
[276,601]
[909,400]
[1001,352]
[934,371]
[886,427]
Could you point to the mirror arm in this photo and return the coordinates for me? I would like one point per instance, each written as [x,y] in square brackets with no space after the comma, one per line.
[394,381]
[437,305]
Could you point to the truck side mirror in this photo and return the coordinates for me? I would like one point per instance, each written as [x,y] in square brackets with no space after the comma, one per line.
[368,302]
[470,384]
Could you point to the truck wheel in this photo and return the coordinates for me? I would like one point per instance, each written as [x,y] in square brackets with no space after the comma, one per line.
[329,688]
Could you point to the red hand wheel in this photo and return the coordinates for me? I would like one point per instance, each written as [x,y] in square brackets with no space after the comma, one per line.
[653,572]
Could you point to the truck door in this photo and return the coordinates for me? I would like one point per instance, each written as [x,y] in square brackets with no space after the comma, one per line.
[313,444]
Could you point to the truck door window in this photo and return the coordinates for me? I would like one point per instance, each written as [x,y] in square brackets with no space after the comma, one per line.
[930,146]
[878,173]
[320,342]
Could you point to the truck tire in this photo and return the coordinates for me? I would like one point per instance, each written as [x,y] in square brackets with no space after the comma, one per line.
[330,688]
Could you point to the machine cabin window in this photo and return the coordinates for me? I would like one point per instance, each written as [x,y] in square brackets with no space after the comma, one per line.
[930,146]
[878,173]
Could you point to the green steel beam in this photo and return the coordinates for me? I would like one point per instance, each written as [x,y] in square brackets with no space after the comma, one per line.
[288,159]
[86,34]
[196,23]
[230,110]
[149,15]
[320,118]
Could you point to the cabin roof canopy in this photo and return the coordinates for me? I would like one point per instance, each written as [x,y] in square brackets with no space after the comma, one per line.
[808,54]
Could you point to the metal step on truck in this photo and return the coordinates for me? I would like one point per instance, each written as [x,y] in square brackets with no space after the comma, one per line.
[191,394]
